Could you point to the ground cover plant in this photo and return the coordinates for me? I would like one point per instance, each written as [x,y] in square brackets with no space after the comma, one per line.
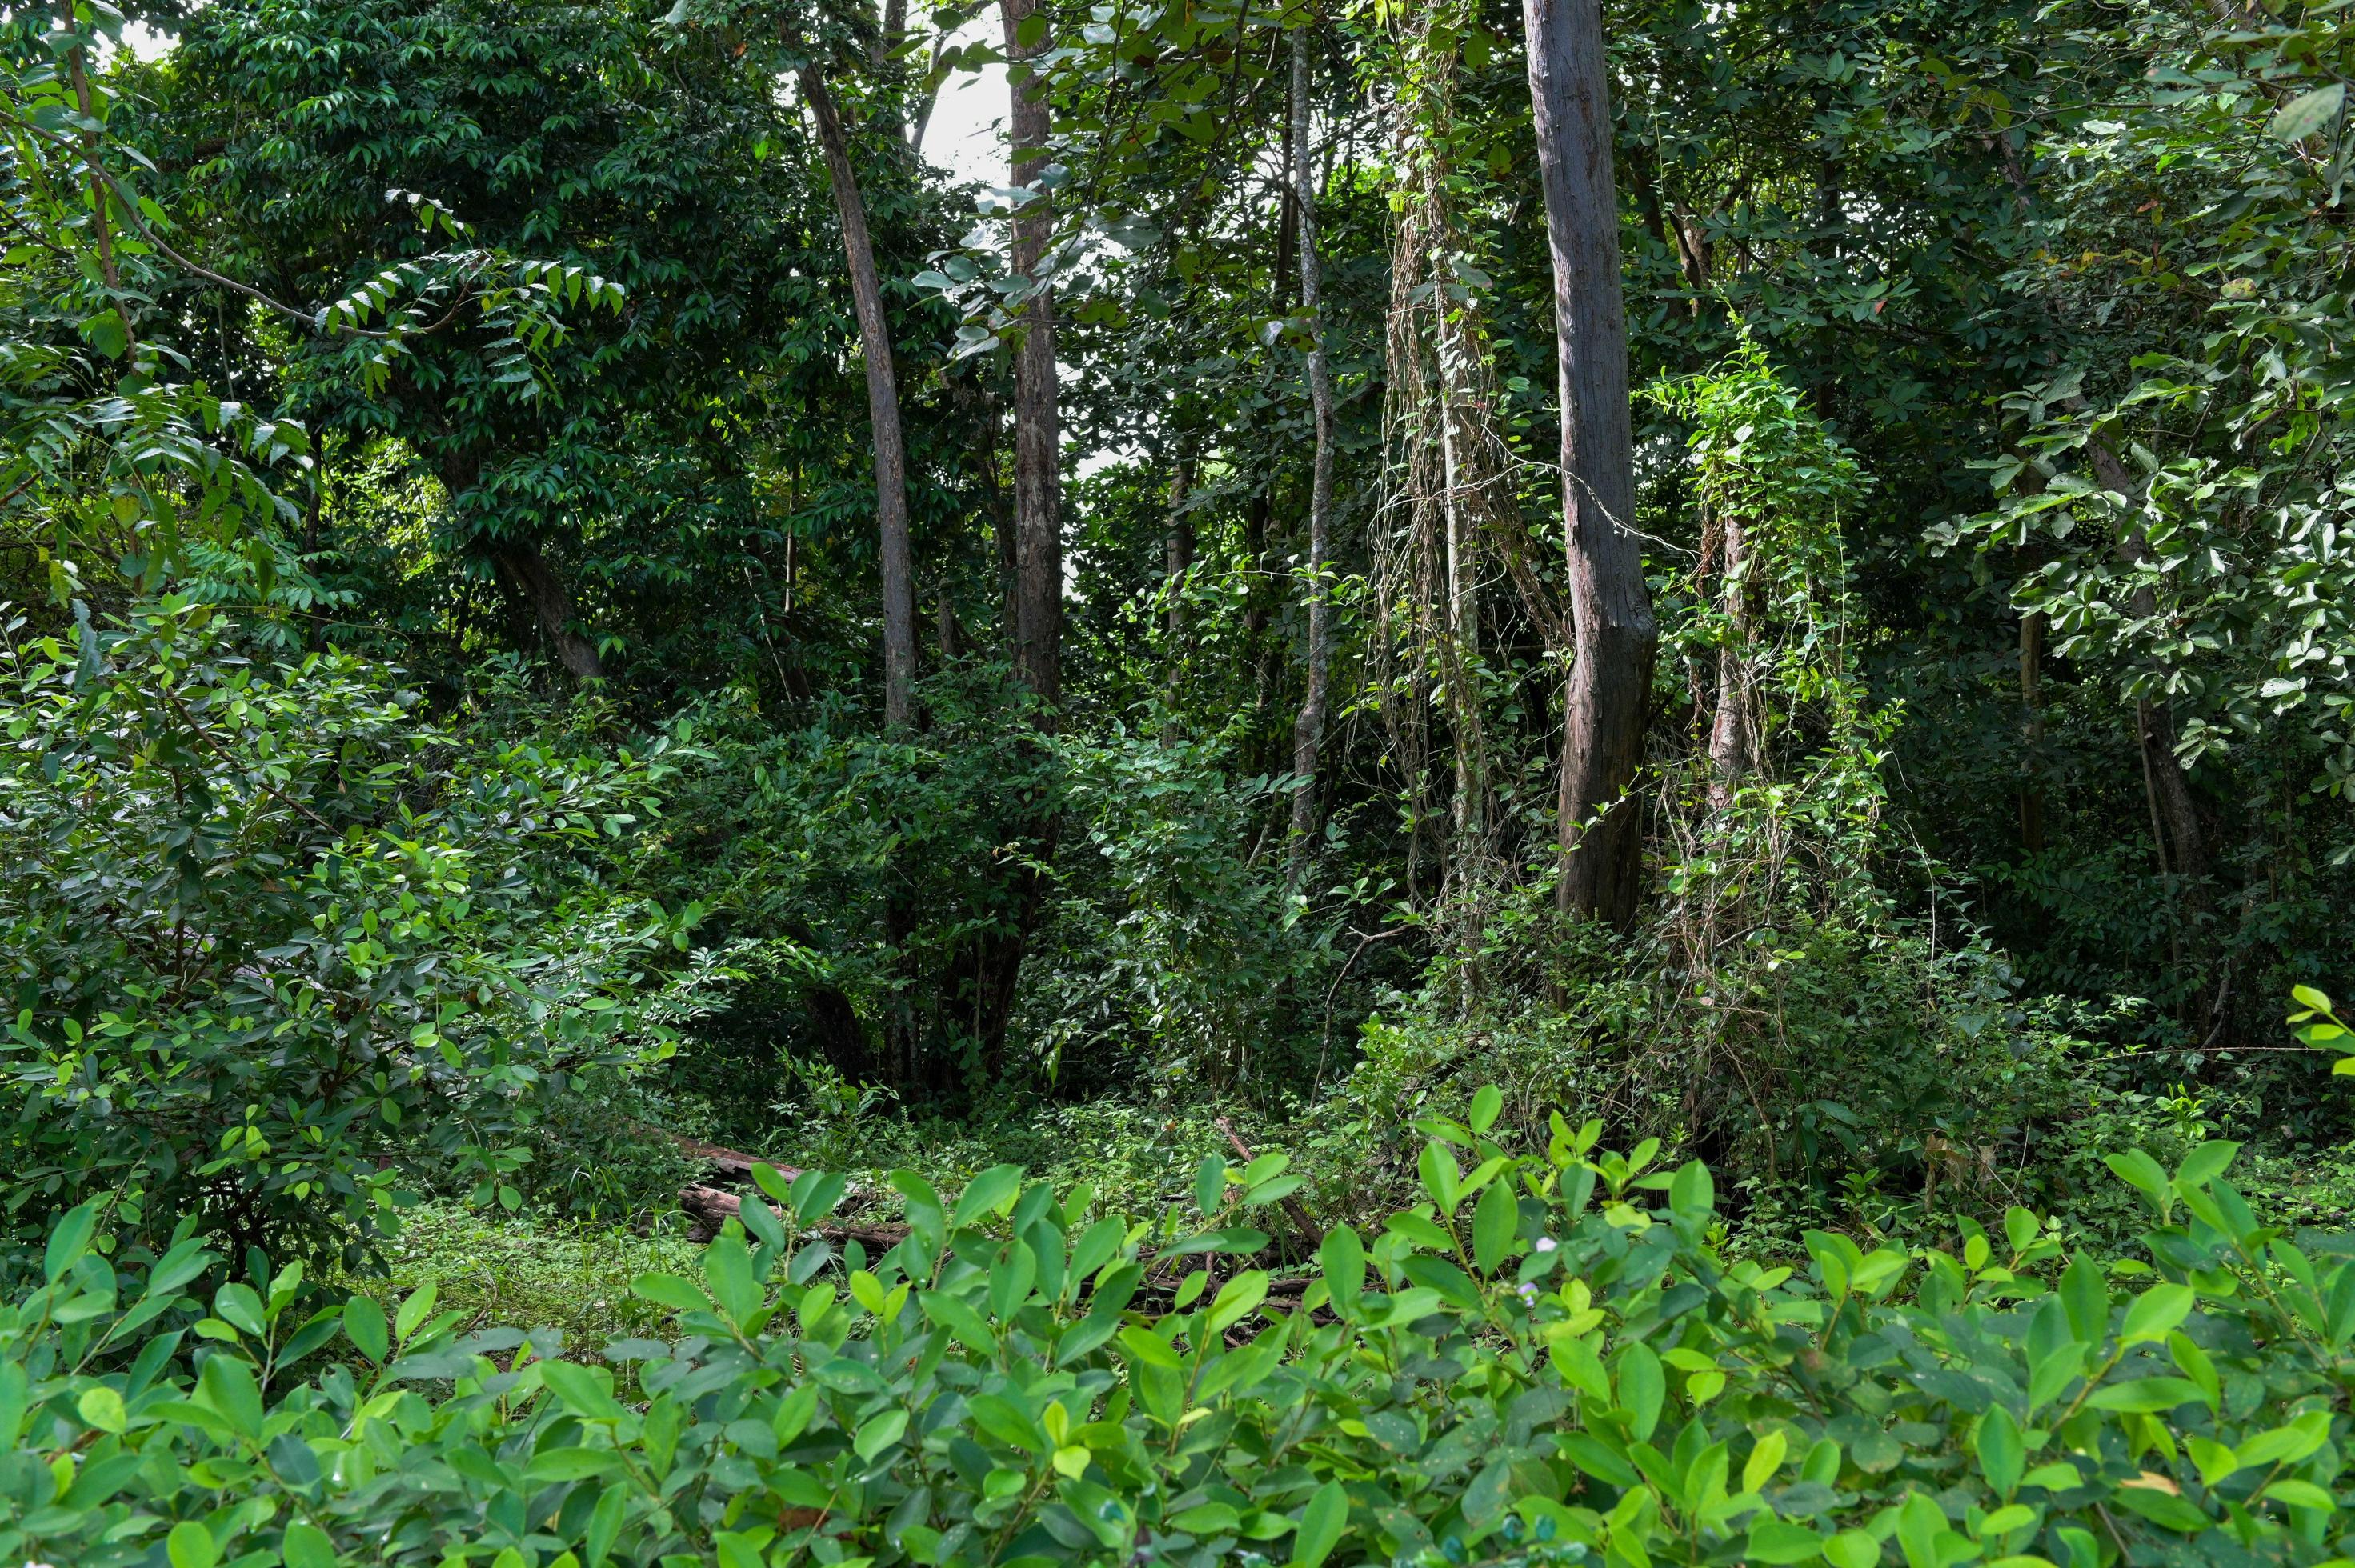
[1549,1358]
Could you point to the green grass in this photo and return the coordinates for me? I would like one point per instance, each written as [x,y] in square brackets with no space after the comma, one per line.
[529,1271]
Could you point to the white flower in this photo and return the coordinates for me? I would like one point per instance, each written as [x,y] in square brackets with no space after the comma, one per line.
[1547,1243]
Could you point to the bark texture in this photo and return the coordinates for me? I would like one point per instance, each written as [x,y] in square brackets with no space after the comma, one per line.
[1180,545]
[882,409]
[1728,730]
[551,608]
[1308,729]
[1613,634]
[1038,436]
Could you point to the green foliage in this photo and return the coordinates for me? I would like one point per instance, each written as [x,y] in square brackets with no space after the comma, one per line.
[1544,1359]
[264,931]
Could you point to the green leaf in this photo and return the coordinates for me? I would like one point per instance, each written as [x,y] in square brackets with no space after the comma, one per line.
[2300,1494]
[2204,1164]
[815,1194]
[1494,1219]
[1692,1195]
[670,1291]
[1642,1388]
[2163,1509]
[2304,115]
[1321,1523]
[991,1193]
[305,1545]
[2144,1174]
[227,1386]
[878,1433]
[69,1239]
[2145,1395]
[551,1466]
[1486,1105]
[1210,1185]
[2156,1312]
[2002,1453]
[1441,1177]
[414,1309]
[2087,1299]
[1237,1299]
[364,1324]
[581,1391]
[727,1272]
[1776,1540]
[191,1545]
[102,1407]
[1342,1256]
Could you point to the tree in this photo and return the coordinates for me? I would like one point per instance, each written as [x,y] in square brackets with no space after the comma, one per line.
[1308,730]
[1038,630]
[882,407]
[1613,635]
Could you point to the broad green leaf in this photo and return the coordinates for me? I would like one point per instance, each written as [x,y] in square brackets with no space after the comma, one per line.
[2001,1449]
[191,1545]
[1321,1524]
[991,1193]
[2301,117]
[1342,1256]
[1494,1219]
[364,1324]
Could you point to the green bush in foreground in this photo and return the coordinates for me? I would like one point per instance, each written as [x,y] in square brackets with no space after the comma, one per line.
[1548,1362]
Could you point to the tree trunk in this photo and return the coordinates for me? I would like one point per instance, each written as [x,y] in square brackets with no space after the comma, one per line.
[1180,546]
[2031,731]
[1729,732]
[1308,729]
[1038,440]
[2176,817]
[1613,635]
[551,606]
[882,409]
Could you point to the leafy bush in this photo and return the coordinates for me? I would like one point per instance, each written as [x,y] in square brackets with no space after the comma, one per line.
[1547,1360]
[263,930]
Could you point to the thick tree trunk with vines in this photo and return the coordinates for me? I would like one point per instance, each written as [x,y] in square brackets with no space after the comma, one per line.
[1613,634]
[882,409]
[1308,728]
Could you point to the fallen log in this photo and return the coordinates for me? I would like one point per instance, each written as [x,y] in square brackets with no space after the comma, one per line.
[713,1206]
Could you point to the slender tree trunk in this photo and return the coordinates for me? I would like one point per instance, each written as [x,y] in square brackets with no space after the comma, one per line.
[1180,545]
[2176,817]
[2031,727]
[1308,729]
[1037,439]
[882,409]
[1613,634]
[1729,731]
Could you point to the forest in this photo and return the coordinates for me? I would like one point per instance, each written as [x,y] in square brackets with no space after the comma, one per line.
[1403,782]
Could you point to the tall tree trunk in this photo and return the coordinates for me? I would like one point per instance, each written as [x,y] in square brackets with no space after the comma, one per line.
[1308,729]
[1180,545]
[1612,633]
[551,606]
[2031,731]
[2175,816]
[1038,438]
[1728,730]
[882,409]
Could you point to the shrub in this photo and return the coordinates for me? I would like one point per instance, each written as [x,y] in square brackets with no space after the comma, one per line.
[1547,1360]
[263,930]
